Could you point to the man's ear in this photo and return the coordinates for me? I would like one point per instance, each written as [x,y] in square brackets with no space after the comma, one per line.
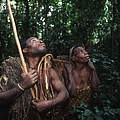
[73,58]
[25,50]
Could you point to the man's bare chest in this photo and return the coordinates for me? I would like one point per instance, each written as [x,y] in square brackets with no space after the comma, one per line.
[81,76]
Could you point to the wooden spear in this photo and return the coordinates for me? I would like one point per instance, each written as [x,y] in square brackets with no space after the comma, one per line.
[18,43]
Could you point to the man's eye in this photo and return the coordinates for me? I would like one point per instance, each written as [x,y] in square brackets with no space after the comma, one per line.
[40,41]
[34,40]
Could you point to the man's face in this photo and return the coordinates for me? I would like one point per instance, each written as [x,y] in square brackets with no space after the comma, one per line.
[36,46]
[80,55]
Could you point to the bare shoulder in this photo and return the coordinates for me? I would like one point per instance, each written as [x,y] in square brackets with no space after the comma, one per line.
[56,82]
[53,73]
[68,67]
[52,70]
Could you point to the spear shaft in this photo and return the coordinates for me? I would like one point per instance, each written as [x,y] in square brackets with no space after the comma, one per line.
[18,43]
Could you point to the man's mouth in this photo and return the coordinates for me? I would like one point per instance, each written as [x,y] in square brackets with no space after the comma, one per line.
[87,56]
[43,45]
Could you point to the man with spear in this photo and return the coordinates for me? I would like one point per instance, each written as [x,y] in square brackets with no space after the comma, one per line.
[49,90]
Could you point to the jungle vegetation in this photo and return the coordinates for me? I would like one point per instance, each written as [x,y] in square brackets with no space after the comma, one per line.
[64,23]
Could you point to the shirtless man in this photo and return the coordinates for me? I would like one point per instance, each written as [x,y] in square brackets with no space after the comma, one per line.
[81,71]
[80,76]
[35,51]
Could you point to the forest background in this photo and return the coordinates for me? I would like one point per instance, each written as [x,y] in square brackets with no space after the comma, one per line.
[64,23]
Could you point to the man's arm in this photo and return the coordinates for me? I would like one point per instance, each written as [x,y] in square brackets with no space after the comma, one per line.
[93,75]
[9,96]
[27,81]
[61,96]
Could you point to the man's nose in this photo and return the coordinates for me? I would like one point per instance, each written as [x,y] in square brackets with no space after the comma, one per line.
[86,53]
[41,41]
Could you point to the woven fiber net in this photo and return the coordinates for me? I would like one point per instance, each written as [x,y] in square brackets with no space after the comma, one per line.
[11,70]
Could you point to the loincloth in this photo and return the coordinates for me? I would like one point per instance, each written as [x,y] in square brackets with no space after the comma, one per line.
[82,95]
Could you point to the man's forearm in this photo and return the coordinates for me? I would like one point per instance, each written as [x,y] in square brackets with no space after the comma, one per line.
[8,96]
[61,97]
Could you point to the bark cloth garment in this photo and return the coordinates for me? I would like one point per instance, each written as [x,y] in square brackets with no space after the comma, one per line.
[11,70]
[21,109]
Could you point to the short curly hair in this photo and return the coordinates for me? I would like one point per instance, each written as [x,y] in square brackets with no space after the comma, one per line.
[72,50]
[25,43]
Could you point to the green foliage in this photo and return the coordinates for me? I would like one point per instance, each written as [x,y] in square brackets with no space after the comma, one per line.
[61,24]
[109,88]
[64,23]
